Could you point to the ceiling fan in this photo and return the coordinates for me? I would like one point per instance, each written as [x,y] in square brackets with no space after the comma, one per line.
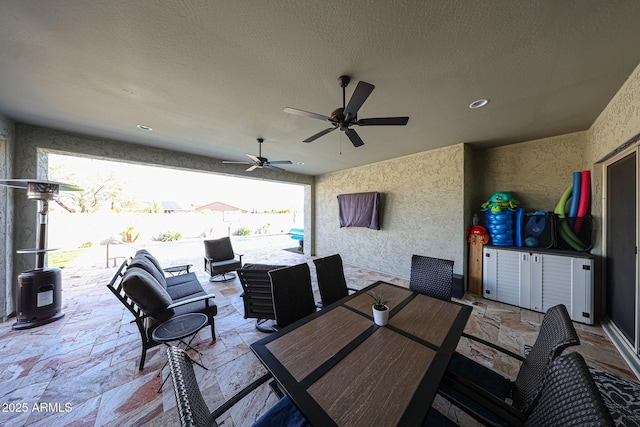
[261,162]
[343,118]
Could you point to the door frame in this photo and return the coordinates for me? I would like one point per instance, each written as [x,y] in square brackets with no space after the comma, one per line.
[629,351]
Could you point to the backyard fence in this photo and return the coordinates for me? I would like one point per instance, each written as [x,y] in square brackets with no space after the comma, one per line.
[67,230]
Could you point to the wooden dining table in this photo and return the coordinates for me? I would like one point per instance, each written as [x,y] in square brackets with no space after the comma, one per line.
[341,369]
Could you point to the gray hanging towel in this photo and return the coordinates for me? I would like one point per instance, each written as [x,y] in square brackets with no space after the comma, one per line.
[359,210]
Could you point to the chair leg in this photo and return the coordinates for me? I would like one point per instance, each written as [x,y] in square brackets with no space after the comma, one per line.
[266,325]
[276,389]
[143,357]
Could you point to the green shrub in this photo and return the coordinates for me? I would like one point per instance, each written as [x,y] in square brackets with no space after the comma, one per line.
[169,236]
[243,231]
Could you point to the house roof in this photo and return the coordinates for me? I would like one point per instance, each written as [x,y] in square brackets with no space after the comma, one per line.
[219,207]
[211,77]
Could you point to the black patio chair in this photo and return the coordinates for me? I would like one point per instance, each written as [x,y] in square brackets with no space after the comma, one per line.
[220,260]
[431,276]
[483,393]
[292,293]
[193,410]
[257,296]
[569,397]
[331,281]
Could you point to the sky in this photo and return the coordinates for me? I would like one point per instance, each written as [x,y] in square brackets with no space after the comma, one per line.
[155,183]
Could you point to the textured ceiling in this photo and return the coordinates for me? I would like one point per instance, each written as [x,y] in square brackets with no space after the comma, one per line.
[211,76]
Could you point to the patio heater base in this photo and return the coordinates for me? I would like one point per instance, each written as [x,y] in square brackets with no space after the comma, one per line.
[39,298]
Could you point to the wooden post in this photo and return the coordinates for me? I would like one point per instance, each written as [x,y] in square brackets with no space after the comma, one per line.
[475,264]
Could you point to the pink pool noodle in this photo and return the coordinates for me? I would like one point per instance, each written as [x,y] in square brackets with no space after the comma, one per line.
[585,198]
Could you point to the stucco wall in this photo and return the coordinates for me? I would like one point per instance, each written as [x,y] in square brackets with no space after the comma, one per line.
[609,134]
[536,172]
[617,124]
[7,138]
[422,211]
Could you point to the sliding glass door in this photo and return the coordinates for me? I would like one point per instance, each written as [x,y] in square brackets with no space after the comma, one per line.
[621,247]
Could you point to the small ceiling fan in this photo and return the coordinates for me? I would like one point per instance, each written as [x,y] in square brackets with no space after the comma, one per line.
[343,118]
[261,162]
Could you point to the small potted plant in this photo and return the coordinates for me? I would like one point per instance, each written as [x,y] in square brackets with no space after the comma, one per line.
[380,309]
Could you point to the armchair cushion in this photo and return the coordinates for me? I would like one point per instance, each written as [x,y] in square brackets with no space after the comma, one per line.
[219,250]
[145,291]
[233,263]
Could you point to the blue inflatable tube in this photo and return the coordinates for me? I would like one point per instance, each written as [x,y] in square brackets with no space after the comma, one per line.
[575,196]
[519,222]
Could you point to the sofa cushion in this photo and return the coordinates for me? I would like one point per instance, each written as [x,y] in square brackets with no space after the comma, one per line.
[179,279]
[145,253]
[147,265]
[147,293]
[186,288]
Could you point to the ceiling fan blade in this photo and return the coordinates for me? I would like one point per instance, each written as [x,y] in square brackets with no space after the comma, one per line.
[354,137]
[306,114]
[383,121]
[275,168]
[254,158]
[362,92]
[237,163]
[280,162]
[252,168]
[319,134]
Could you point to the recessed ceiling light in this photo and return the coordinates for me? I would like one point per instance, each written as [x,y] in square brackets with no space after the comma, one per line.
[300,163]
[479,103]
[145,128]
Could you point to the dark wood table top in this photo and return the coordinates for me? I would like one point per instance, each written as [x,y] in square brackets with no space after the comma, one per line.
[342,369]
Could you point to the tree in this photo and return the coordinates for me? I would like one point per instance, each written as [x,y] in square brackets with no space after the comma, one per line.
[100,189]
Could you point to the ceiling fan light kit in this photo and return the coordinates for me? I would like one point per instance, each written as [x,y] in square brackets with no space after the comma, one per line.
[346,116]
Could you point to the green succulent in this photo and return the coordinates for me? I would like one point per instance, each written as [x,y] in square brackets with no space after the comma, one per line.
[379,303]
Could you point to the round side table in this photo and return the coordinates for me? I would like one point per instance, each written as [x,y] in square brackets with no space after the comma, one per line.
[177,329]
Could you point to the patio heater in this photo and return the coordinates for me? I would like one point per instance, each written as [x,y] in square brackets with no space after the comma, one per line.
[39,293]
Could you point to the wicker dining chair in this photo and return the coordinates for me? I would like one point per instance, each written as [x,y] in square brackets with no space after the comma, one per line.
[483,393]
[431,276]
[331,281]
[569,397]
[292,293]
[193,410]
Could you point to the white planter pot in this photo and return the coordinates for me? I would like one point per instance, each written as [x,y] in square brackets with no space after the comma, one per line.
[381,317]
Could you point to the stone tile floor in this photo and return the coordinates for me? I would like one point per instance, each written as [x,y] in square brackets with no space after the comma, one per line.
[82,369]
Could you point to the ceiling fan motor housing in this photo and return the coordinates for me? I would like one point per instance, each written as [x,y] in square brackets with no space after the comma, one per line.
[342,121]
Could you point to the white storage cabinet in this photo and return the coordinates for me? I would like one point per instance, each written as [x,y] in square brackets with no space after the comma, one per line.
[540,280]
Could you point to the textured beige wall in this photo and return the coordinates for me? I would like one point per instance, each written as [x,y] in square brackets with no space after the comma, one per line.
[422,211]
[7,143]
[536,172]
[617,124]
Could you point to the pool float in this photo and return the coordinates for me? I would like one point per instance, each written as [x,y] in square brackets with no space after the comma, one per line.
[585,199]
